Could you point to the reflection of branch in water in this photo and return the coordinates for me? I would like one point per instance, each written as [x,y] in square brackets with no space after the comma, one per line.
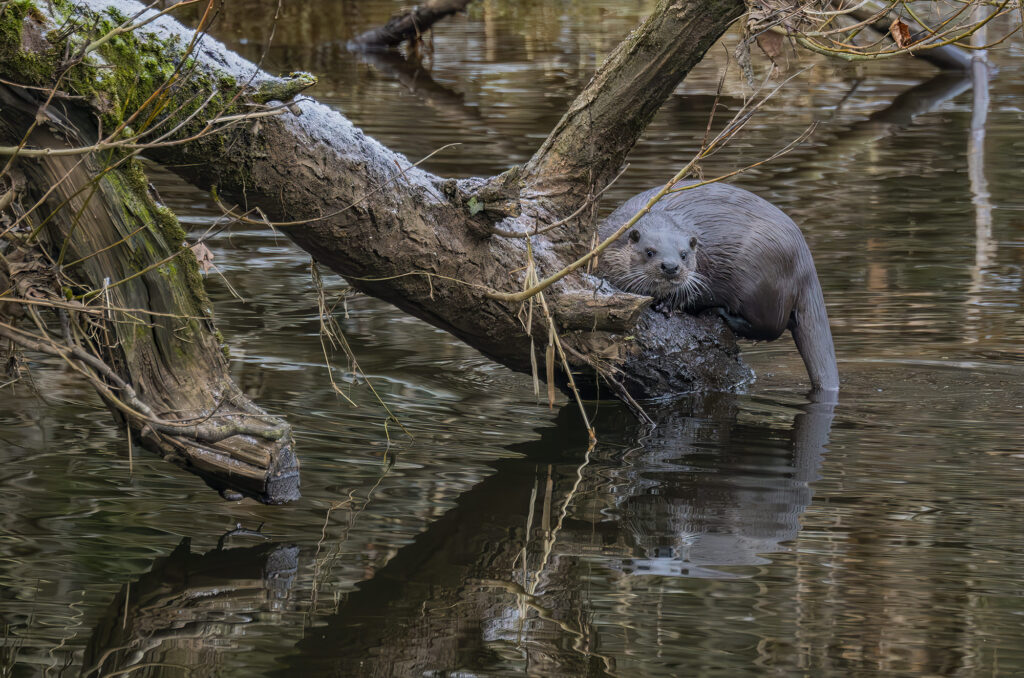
[549,540]
[187,606]
[531,601]
[446,101]
[322,568]
[456,598]
[526,593]
[240,531]
[984,244]
[419,613]
[922,98]
[849,143]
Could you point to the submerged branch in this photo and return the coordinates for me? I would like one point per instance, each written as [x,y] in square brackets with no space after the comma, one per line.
[408,25]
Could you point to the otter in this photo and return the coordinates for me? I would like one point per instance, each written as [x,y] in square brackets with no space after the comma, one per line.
[720,247]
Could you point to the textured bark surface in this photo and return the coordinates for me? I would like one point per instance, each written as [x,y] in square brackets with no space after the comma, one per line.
[426,244]
[98,227]
[377,217]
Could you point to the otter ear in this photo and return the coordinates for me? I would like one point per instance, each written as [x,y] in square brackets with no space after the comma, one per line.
[634,236]
[693,242]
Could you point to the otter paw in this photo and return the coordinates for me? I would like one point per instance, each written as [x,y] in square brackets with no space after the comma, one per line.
[662,308]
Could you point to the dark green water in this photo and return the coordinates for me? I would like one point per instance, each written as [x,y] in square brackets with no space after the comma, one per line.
[750,534]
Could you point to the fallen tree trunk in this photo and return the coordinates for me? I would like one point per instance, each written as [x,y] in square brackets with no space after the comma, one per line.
[147,344]
[425,243]
[81,236]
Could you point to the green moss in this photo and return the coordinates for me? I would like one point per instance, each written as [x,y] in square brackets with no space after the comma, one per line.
[25,53]
[285,89]
[226,82]
[135,177]
[165,236]
[224,348]
[133,67]
[194,279]
[117,15]
[169,225]
[121,75]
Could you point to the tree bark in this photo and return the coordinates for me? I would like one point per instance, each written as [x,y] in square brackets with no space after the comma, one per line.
[134,317]
[604,122]
[426,243]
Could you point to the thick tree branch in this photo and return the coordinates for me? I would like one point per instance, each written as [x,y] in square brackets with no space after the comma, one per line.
[604,122]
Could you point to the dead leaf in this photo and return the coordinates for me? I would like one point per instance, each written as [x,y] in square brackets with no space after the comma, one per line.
[900,33]
[771,43]
[203,255]
[32,278]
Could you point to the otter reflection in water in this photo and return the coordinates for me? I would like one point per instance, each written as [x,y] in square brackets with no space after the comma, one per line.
[695,501]
[510,579]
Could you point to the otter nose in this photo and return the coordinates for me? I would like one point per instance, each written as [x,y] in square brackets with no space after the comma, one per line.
[669,267]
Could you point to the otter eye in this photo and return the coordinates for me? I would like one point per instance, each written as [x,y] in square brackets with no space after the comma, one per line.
[650,253]
[682,255]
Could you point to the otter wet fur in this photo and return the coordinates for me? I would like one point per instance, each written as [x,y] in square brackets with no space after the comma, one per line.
[720,247]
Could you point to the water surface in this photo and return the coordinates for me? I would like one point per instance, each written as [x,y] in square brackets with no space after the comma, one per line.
[752,533]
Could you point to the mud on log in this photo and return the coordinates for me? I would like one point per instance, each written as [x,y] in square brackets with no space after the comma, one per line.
[85,240]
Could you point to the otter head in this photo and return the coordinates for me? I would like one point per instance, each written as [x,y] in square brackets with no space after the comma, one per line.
[661,261]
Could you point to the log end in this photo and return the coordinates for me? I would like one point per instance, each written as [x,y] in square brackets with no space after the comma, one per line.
[240,466]
[684,353]
[665,357]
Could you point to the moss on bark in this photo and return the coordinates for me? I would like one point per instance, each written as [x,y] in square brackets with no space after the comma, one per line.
[24,50]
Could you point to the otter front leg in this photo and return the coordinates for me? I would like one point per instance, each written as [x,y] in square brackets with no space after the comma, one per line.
[736,323]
